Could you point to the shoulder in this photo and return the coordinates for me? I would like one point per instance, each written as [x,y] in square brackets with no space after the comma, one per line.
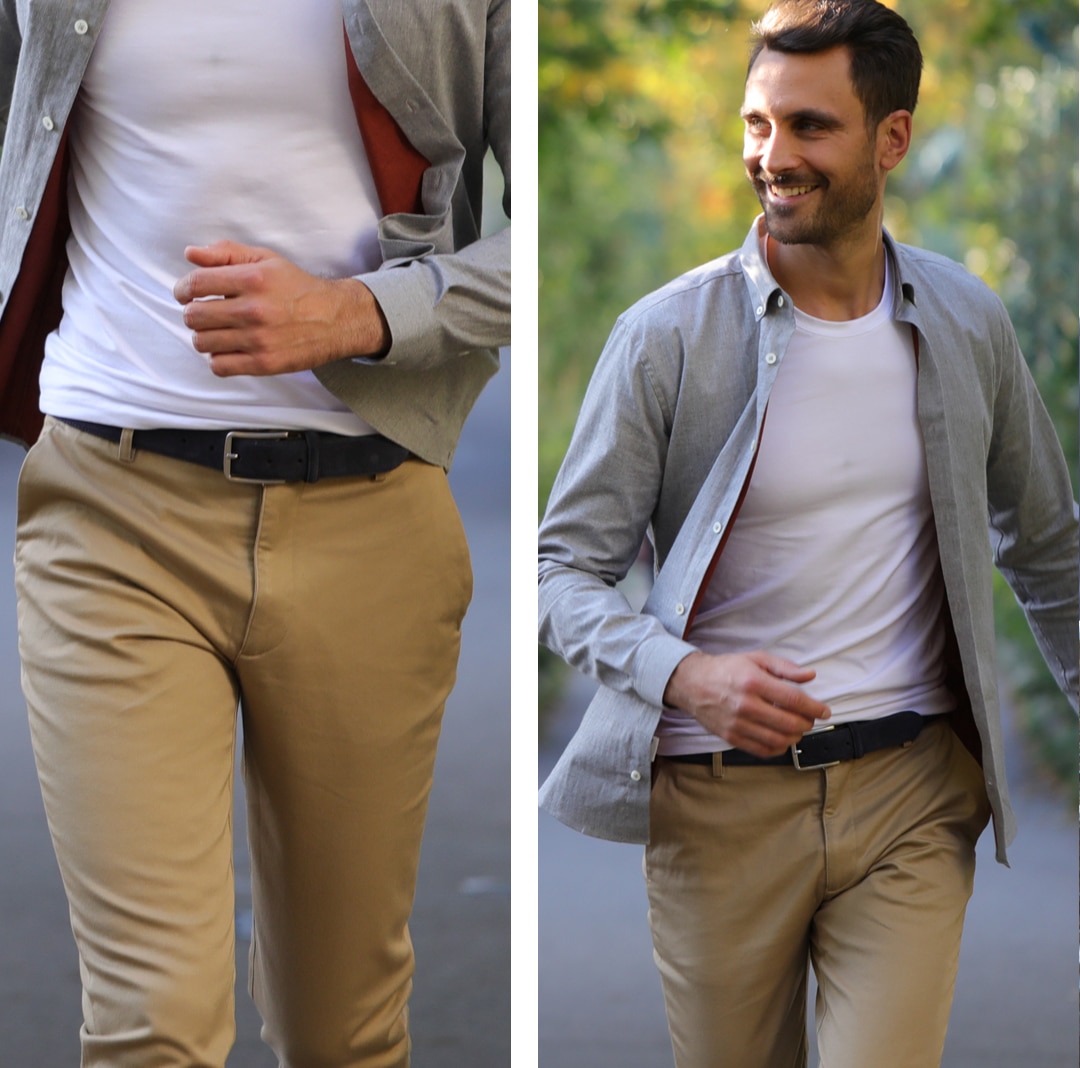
[944,283]
[696,332]
[706,300]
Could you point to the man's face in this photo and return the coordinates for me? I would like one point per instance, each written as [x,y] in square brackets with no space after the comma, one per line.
[806,147]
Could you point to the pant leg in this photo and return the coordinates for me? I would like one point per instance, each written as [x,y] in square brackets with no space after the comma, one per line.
[734,870]
[868,865]
[886,940]
[133,710]
[351,654]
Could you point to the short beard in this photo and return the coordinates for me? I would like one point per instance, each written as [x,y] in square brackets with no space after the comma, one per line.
[832,221]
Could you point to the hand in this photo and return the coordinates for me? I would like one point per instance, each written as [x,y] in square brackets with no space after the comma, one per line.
[748,699]
[273,317]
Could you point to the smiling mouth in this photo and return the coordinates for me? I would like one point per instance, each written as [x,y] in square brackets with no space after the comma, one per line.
[787,192]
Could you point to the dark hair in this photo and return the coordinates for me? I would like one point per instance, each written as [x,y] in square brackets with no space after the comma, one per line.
[886,62]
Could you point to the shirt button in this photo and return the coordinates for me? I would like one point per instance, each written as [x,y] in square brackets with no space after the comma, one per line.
[635,775]
[22,213]
[48,123]
[81,26]
[779,302]
[717,527]
[680,610]
[770,359]
[759,310]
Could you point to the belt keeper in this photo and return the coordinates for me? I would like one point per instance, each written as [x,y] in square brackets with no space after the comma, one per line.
[312,439]
[125,451]
[857,745]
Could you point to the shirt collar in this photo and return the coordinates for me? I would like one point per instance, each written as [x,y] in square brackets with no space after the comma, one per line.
[764,289]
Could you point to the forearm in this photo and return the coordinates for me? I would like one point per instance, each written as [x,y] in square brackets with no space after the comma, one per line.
[592,626]
[354,323]
[1045,585]
[1033,517]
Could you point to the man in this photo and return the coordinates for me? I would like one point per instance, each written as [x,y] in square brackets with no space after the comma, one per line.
[815,433]
[240,253]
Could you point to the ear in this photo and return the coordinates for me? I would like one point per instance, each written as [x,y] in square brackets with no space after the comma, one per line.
[893,138]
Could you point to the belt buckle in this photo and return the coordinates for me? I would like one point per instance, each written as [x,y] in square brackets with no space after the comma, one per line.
[812,767]
[263,435]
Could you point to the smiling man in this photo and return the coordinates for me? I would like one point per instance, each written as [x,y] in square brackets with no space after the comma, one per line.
[830,440]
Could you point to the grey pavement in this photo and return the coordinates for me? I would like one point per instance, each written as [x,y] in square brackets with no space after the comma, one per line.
[461,925]
[1016,1000]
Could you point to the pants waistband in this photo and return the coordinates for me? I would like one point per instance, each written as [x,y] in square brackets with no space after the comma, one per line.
[831,744]
[263,456]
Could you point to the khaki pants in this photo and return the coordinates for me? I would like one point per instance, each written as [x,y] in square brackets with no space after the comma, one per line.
[153,595]
[863,870]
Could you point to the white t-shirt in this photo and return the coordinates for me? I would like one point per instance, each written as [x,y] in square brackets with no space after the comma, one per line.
[833,559]
[196,123]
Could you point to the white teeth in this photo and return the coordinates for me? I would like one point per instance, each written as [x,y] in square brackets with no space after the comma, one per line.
[789,190]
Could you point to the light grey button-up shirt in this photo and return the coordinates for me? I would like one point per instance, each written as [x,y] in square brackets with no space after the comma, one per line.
[664,446]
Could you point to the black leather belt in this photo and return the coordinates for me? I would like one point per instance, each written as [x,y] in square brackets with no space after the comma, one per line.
[265,456]
[830,745]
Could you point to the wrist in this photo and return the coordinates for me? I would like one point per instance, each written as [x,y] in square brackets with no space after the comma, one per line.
[678,692]
[364,329]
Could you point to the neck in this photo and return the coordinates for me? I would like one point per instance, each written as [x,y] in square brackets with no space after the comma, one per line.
[839,281]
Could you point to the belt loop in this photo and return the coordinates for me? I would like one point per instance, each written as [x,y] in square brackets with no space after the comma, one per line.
[125,451]
[312,439]
[718,765]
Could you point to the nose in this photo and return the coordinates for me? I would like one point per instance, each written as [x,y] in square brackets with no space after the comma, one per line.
[770,150]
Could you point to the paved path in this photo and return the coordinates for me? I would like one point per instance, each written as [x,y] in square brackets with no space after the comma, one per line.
[460,1007]
[1016,999]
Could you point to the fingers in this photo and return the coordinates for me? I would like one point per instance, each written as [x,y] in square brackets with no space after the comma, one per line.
[224,253]
[209,317]
[761,740]
[227,364]
[792,698]
[781,667]
[232,351]
[220,270]
[765,730]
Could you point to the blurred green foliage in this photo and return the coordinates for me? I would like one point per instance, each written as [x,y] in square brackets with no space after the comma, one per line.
[641,178]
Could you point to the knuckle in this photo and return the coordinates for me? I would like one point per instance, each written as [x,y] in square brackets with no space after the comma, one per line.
[255,314]
[256,277]
[259,343]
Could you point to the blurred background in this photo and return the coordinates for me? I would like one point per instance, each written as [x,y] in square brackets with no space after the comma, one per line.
[640,179]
